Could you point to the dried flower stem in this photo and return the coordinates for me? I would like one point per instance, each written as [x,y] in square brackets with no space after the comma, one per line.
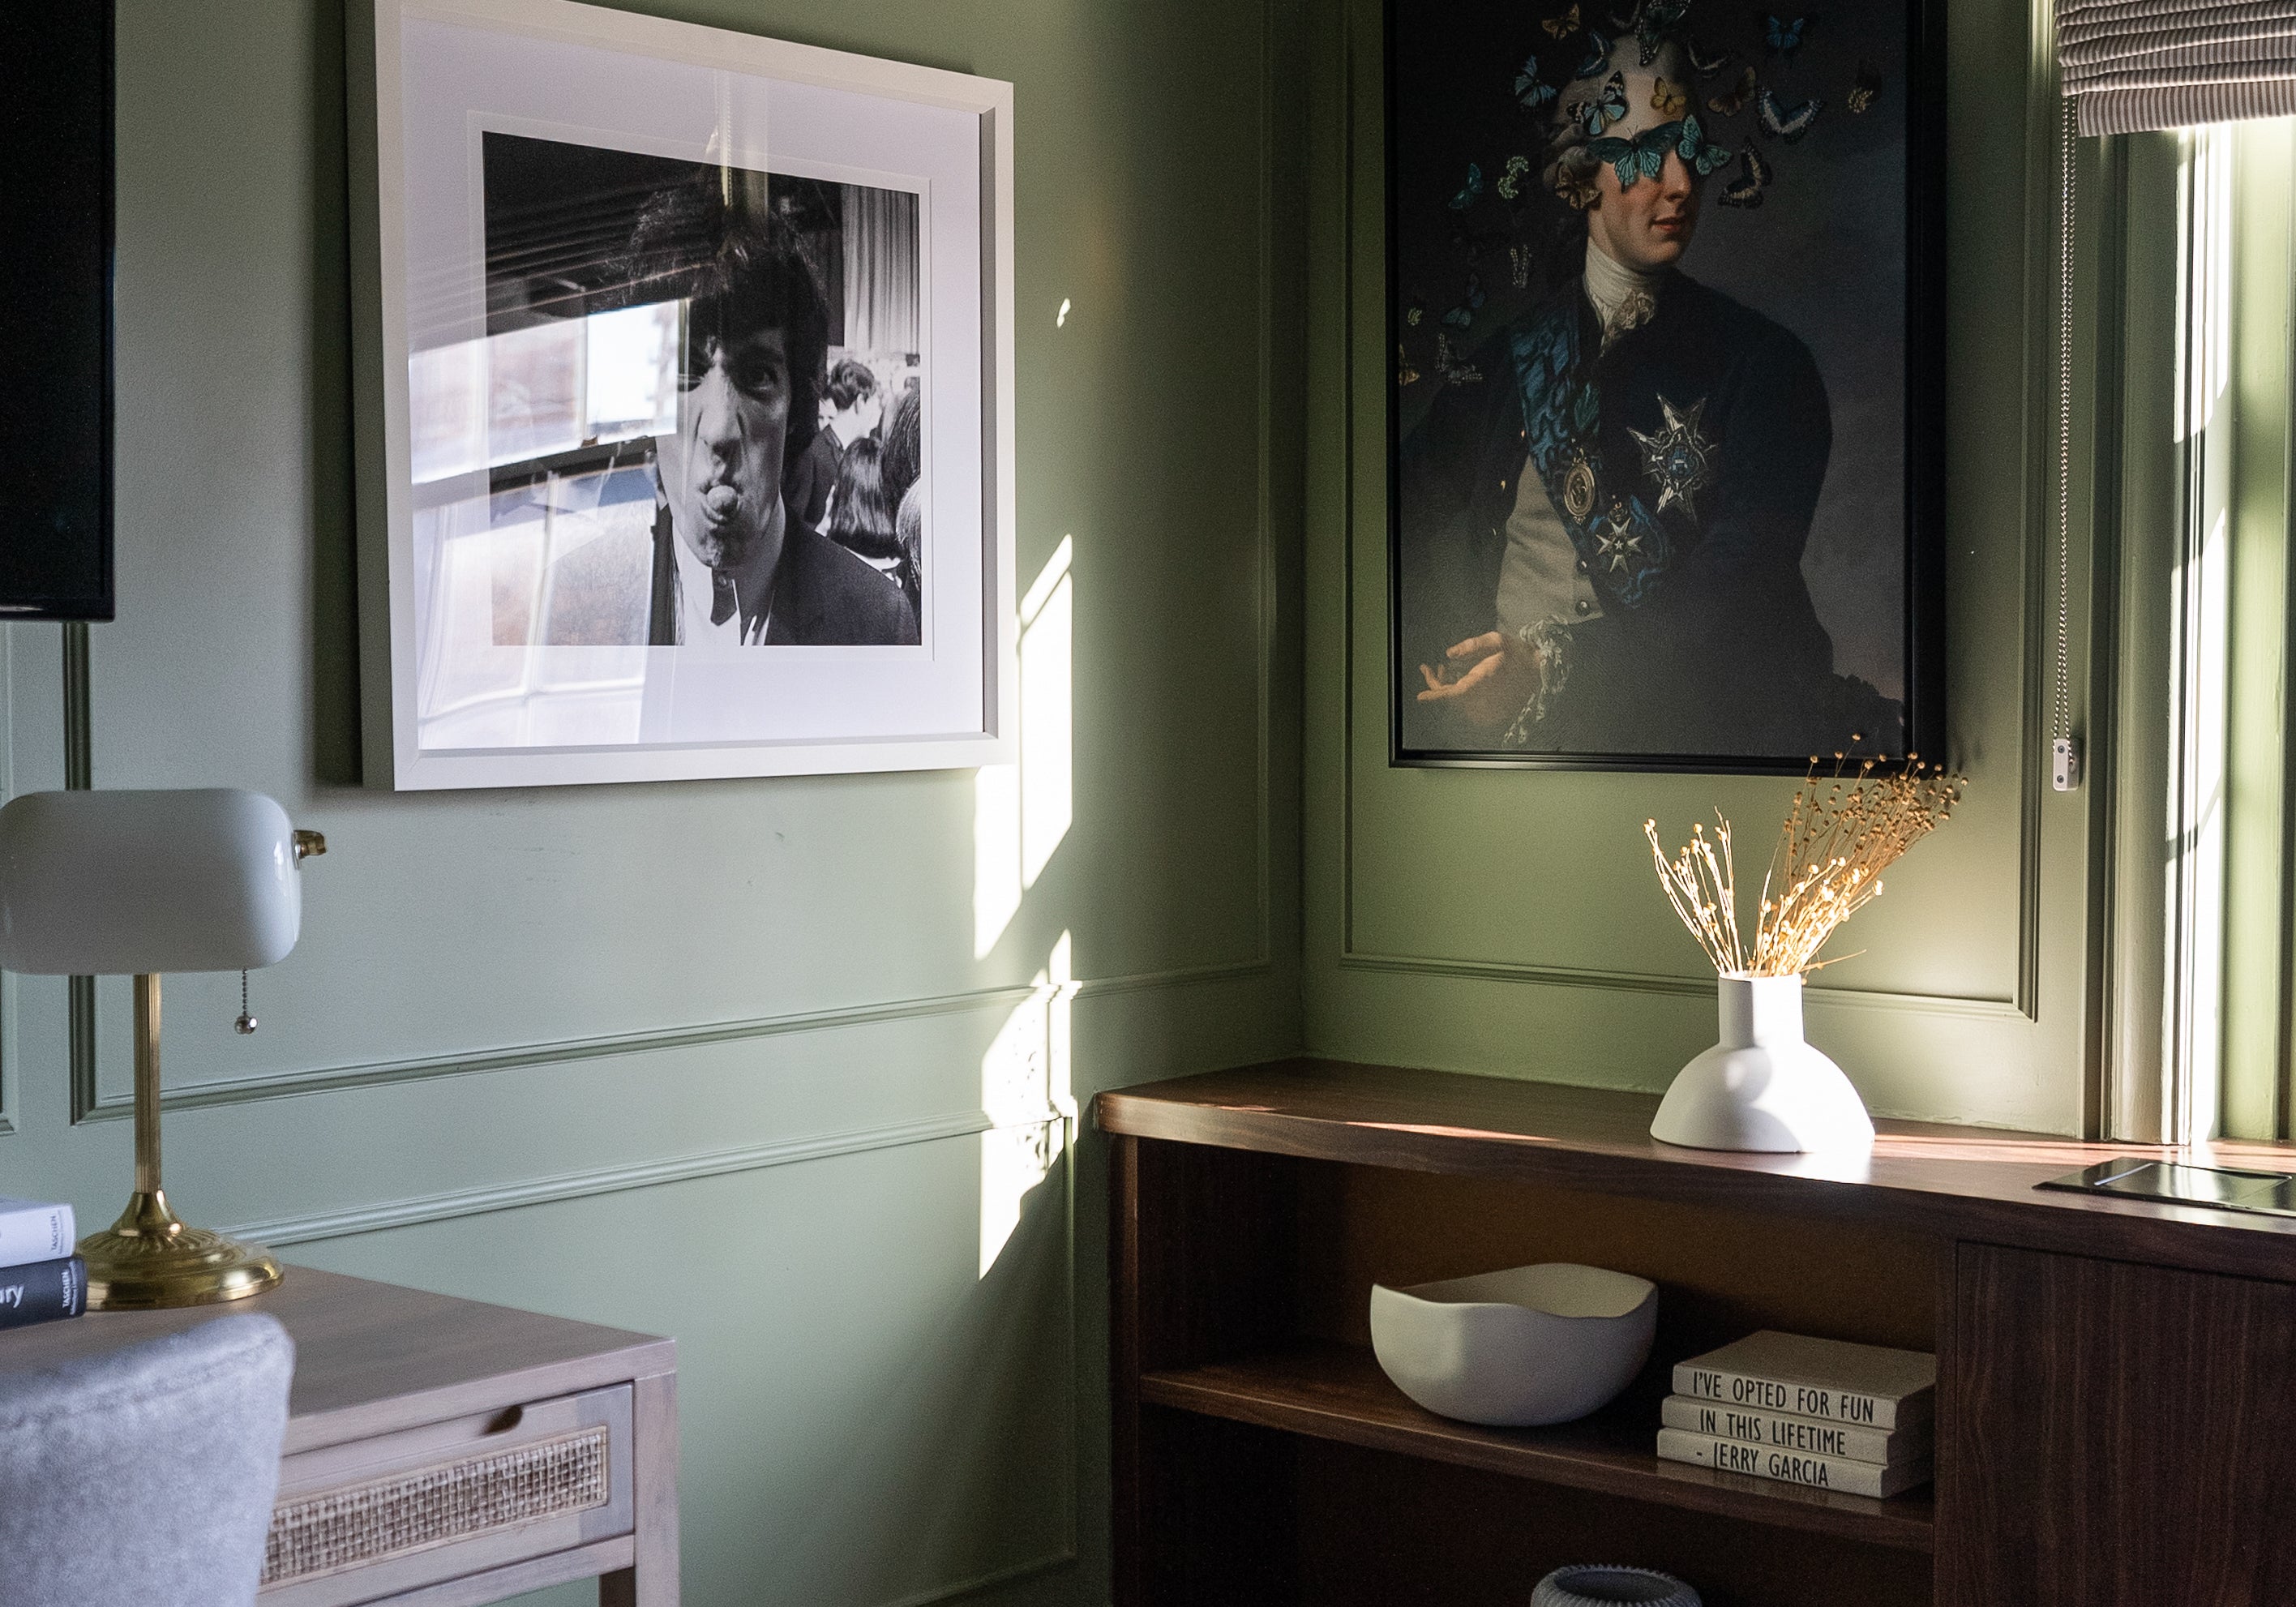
[1842,832]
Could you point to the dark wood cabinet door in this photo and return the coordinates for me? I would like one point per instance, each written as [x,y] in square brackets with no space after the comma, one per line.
[2114,1435]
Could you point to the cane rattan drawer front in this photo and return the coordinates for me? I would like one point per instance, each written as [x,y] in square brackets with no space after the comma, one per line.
[373,1518]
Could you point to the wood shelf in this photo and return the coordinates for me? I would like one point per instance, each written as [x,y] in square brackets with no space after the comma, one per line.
[1953,1183]
[1338,1393]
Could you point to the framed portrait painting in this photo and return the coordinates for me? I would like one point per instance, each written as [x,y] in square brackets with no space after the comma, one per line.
[1666,383]
[685,396]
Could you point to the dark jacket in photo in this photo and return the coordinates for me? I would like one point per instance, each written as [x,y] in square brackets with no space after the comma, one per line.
[814,477]
[822,596]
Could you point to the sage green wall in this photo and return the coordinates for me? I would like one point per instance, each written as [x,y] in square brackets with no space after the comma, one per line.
[720,1059]
[1509,922]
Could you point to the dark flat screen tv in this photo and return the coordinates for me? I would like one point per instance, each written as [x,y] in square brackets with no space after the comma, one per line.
[55,311]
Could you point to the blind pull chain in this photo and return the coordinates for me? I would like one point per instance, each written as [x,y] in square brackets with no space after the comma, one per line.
[2064,752]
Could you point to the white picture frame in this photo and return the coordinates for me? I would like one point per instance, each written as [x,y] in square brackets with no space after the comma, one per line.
[473,678]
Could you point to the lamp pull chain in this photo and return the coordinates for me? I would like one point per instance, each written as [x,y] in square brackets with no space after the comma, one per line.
[247,1022]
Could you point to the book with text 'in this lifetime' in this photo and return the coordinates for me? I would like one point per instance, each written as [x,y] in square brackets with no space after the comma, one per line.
[43,1291]
[1777,1431]
[1794,1467]
[1833,1381]
[32,1230]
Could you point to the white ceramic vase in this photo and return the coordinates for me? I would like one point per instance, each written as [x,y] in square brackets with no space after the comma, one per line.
[1762,1087]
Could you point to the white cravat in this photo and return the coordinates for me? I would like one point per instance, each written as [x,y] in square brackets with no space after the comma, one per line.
[1541,579]
[1623,296]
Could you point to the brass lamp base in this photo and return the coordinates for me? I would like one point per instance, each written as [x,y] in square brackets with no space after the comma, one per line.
[151,1258]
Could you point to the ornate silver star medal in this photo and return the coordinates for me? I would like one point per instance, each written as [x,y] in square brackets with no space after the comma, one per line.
[1680,461]
[1619,543]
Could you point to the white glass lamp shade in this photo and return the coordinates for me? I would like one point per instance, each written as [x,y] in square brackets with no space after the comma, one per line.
[118,883]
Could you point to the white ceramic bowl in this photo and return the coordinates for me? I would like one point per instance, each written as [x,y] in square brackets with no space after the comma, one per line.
[1516,1348]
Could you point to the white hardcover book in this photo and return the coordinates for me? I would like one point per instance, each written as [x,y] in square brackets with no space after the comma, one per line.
[33,1231]
[1811,1435]
[1869,1385]
[1792,1467]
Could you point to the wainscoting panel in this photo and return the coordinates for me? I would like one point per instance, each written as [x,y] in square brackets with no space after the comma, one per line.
[1509,920]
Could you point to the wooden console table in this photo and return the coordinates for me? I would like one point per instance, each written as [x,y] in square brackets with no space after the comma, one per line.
[2116,1380]
[445,1452]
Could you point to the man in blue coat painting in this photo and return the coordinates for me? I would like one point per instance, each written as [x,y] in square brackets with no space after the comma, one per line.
[1602,529]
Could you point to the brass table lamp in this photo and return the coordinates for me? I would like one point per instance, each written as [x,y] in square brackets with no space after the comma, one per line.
[138,883]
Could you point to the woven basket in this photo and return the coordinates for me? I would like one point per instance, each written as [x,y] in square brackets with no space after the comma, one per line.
[1598,1587]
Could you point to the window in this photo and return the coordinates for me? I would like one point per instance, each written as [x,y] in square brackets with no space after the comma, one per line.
[2208,599]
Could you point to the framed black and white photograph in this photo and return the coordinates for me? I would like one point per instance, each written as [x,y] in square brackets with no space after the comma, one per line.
[1666,382]
[685,402]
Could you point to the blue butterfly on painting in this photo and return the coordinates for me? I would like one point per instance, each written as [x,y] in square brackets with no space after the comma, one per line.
[1530,92]
[1637,158]
[1469,192]
[1644,155]
[1607,106]
[1463,315]
[1693,148]
[1657,16]
[1783,35]
[1779,123]
[1598,52]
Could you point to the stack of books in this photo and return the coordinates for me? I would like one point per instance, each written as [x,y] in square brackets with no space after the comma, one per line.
[1838,1416]
[40,1278]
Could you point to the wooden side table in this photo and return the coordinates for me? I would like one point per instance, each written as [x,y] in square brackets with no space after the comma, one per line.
[446,1453]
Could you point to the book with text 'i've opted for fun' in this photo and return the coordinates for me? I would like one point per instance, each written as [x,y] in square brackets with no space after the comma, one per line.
[1870,1386]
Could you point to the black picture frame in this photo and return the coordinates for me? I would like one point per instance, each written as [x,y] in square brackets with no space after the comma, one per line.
[1411,113]
[56,103]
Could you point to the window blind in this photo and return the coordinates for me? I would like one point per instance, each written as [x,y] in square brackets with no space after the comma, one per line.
[2137,64]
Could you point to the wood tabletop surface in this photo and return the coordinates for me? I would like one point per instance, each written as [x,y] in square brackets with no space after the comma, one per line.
[370,1355]
[1959,1182]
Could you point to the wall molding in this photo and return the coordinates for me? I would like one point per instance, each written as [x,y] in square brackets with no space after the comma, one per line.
[454,1204]
[2034,537]
[1700,987]
[98,1106]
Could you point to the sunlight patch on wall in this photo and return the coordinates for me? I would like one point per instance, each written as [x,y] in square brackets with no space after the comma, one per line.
[1027,1094]
[1048,699]
[1021,812]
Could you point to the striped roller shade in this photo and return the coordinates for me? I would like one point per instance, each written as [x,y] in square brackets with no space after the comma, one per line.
[2138,64]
